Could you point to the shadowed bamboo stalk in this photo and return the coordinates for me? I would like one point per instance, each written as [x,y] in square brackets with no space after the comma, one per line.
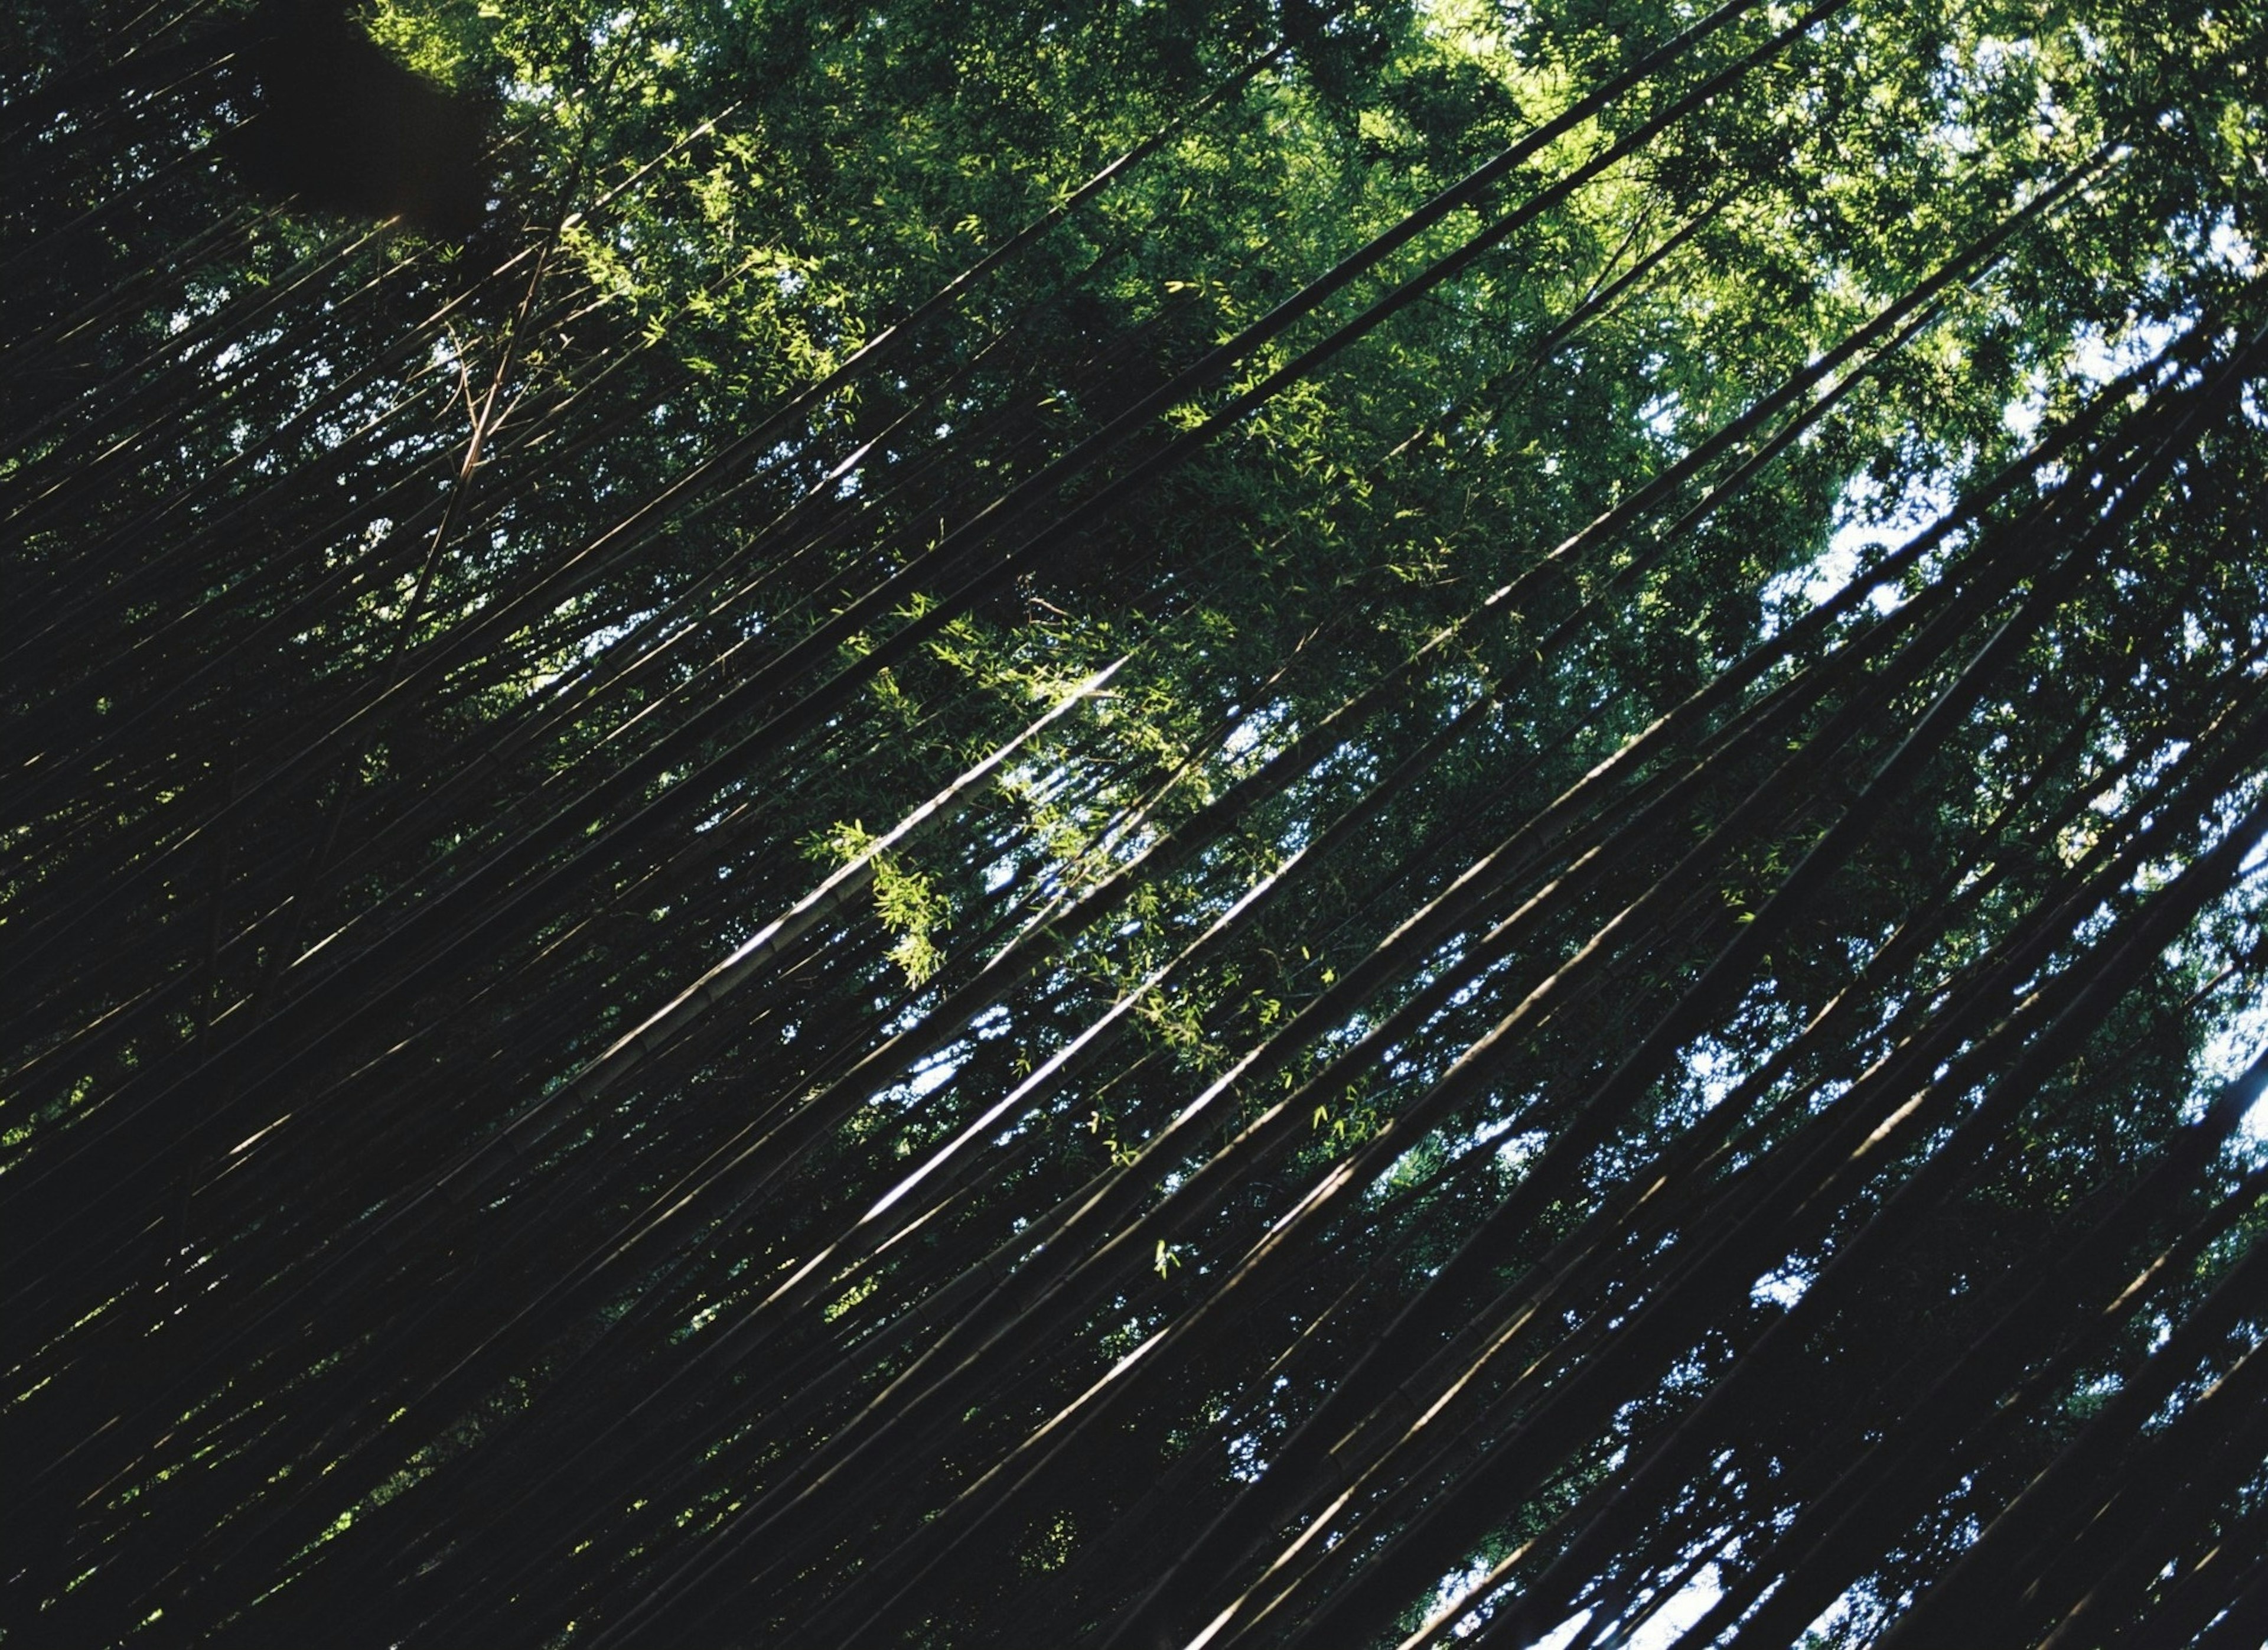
[1288,1156]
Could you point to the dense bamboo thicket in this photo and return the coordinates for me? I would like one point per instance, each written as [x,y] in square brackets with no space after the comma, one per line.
[1291,823]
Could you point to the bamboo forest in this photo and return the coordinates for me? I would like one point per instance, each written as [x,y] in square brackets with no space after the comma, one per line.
[1162,825]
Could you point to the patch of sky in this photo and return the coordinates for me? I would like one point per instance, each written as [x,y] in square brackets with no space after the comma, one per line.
[2162,1330]
[2227,246]
[1348,1032]
[1480,1136]
[1564,1636]
[1834,1088]
[926,1079]
[2255,856]
[1659,415]
[1459,1587]
[1713,1070]
[2146,773]
[1036,784]
[2201,1379]
[1868,518]
[2233,1047]
[1680,1611]
[1357,761]
[1834,1619]
[1466,992]
[2097,357]
[1782,1286]
[1461,689]
[1294,835]
[1516,1152]
[588,648]
[1245,736]
[1245,1462]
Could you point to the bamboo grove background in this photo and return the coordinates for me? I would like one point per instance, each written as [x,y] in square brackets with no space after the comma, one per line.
[1145,825]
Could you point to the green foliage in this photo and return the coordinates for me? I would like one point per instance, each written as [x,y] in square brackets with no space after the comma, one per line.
[907,903]
[1536,1038]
